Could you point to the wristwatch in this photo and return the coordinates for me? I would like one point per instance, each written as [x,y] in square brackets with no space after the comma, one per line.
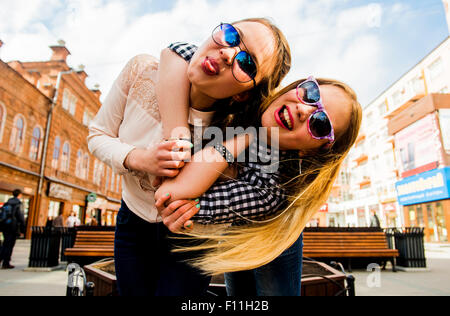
[225,153]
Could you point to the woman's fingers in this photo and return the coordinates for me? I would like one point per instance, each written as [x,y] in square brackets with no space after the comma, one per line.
[162,200]
[179,218]
[176,146]
[189,225]
[170,173]
[173,156]
[171,164]
[169,211]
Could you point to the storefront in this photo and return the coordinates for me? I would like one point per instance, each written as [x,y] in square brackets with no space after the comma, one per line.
[426,202]
[100,211]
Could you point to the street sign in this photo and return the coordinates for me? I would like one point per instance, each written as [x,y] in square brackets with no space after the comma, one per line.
[91,197]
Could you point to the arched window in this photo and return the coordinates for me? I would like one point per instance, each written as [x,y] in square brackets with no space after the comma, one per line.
[65,158]
[98,172]
[118,183]
[113,178]
[17,135]
[79,164]
[85,167]
[2,120]
[36,143]
[56,152]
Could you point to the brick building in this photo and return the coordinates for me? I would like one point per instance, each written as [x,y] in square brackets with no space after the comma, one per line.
[45,108]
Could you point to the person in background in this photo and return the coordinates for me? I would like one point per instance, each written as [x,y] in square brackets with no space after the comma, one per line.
[374,220]
[12,230]
[72,220]
[59,221]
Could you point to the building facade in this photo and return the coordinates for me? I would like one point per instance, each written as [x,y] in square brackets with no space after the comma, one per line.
[368,180]
[45,109]
[421,133]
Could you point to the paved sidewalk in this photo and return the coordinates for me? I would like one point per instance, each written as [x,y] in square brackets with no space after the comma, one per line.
[17,282]
[435,282]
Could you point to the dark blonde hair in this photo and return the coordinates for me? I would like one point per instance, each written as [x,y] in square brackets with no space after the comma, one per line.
[229,110]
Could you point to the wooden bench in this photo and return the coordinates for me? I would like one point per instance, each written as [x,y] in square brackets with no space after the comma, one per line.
[91,245]
[348,245]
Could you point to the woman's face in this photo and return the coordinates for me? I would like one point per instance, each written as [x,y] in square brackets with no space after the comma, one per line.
[337,105]
[210,70]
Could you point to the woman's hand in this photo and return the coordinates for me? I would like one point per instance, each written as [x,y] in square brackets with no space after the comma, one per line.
[177,215]
[164,160]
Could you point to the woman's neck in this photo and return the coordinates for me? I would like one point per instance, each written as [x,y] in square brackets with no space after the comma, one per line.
[200,101]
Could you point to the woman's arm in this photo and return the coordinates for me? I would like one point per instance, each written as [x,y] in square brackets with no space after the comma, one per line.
[200,174]
[172,91]
[104,141]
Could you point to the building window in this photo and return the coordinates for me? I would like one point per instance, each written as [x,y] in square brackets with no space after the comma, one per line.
[65,158]
[417,86]
[382,108]
[36,143]
[2,120]
[118,184]
[17,135]
[69,102]
[369,118]
[113,178]
[56,152]
[107,179]
[436,68]
[397,97]
[87,118]
[85,167]
[98,172]
[79,164]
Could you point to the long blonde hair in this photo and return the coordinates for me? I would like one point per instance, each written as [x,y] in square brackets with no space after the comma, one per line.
[248,247]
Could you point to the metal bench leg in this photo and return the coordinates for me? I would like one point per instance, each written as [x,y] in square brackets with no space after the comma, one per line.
[394,269]
[350,265]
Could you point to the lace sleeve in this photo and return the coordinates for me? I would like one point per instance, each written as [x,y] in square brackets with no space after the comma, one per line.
[103,139]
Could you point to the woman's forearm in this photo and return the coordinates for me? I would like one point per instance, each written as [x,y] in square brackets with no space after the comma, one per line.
[200,174]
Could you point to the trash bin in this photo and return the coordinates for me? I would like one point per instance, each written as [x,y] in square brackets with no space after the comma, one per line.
[45,244]
[409,242]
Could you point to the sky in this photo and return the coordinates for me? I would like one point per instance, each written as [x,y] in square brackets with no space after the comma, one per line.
[367,44]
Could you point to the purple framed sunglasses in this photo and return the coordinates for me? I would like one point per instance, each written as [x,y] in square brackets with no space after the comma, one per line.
[319,123]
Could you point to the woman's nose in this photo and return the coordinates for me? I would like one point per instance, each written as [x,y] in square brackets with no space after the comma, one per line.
[227,54]
[304,111]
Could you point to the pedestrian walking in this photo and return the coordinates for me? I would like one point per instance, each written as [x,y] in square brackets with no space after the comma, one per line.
[12,228]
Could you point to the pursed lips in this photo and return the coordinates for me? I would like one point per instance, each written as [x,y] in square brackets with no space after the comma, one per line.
[210,67]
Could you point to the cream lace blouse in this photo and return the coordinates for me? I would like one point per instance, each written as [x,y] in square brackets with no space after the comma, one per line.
[128,119]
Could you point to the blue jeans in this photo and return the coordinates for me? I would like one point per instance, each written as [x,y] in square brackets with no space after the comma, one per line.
[145,265]
[281,277]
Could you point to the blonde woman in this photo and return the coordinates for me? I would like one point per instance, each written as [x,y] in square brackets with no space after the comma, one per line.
[318,122]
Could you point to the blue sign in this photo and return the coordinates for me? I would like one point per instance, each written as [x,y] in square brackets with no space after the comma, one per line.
[425,187]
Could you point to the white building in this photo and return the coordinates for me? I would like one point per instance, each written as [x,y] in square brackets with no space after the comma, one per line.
[368,180]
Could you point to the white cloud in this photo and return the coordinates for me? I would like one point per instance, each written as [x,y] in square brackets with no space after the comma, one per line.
[103,35]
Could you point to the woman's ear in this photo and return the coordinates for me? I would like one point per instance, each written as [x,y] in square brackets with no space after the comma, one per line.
[241,97]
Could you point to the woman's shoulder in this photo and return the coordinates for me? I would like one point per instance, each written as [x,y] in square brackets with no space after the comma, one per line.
[141,63]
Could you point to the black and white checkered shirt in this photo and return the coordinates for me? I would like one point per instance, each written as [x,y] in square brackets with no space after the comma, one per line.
[255,194]
[184,50]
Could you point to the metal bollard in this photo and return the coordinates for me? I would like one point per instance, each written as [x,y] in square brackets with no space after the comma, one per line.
[351,285]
